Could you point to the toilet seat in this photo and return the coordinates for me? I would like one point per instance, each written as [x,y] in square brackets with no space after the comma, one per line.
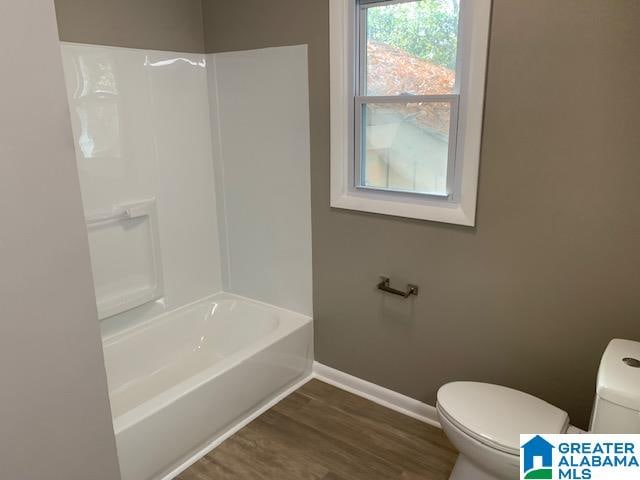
[496,416]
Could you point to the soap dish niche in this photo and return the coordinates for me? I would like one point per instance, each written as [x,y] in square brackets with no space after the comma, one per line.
[125,257]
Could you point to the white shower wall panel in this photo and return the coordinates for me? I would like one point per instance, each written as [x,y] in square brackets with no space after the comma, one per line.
[142,131]
[179,92]
[260,120]
[195,178]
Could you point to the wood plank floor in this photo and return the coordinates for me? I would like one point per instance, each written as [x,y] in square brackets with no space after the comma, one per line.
[322,433]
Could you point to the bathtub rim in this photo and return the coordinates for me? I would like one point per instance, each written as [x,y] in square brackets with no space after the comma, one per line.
[291,323]
[113,337]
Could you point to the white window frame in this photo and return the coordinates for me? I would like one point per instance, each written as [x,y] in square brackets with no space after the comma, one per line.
[459,207]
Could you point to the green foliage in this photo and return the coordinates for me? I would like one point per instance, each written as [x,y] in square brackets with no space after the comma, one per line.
[427,29]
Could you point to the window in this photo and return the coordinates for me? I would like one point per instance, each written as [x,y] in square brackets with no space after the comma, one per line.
[407,94]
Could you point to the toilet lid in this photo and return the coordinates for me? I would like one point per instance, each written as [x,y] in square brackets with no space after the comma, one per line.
[496,416]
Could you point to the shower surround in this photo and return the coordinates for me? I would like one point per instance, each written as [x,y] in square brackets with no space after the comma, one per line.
[195,182]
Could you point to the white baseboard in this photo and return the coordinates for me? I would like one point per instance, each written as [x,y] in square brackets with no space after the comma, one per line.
[377,394]
[234,429]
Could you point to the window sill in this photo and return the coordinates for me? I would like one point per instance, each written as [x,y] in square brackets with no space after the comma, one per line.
[444,212]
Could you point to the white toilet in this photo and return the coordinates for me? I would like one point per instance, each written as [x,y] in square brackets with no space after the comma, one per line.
[484,421]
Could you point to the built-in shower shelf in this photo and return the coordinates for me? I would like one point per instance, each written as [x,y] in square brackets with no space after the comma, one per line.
[125,257]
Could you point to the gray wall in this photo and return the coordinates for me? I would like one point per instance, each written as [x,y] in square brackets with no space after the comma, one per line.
[54,416]
[174,25]
[531,296]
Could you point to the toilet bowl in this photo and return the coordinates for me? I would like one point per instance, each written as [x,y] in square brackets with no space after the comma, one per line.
[484,423]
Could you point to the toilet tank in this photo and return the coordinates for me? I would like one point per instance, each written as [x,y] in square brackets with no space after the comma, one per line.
[617,405]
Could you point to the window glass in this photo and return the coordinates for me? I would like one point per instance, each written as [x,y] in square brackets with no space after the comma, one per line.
[406,146]
[411,48]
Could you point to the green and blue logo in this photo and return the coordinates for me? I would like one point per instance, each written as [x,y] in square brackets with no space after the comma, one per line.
[537,459]
[580,457]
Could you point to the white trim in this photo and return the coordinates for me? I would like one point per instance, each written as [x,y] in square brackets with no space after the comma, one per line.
[377,394]
[209,447]
[473,51]
[340,59]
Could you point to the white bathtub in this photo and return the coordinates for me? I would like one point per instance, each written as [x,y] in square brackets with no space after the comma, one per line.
[181,380]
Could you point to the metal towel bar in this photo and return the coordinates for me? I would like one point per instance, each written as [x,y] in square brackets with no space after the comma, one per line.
[385,286]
